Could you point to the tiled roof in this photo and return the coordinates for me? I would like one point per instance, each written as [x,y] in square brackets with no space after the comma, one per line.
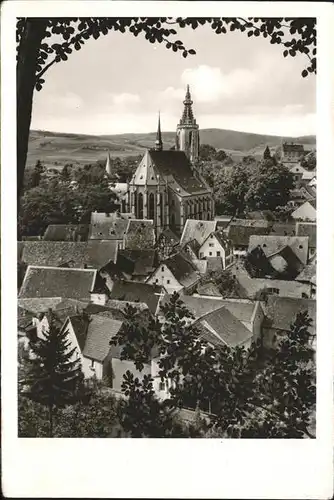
[250,222]
[182,270]
[192,245]
[199,306]
[58,282]
[240,235]
[308,229]
[308,274]
[94,254]
[282,311]
[271,244]
[140,234]
[108,226]
[141,262]
[39,304]
[132,291]
[225,327]
[101,330]
[281,229]
[209,289]
[169,236]
[197,230]
[285,263]
[175,165]
[66,232]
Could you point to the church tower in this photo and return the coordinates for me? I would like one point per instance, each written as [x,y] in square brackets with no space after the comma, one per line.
[187,133]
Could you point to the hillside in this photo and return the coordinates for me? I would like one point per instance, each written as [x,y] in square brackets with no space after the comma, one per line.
[55,149]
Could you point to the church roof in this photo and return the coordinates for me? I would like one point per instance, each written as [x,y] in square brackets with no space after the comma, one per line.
[176,166]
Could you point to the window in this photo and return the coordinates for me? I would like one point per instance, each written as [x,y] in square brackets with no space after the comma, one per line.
[304,295]
[161,386]
[92,363]
[300,246]
[156,280]
[264,245]
[162,268]
[168,282]
[218,254]
[210,253]
[210,244]
[201,255]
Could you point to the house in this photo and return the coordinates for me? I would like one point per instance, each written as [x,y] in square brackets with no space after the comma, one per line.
[282,264]
[197,230]
[86,254]
[308,276]
[281,313]
[66,232]
[232,322]
[308,229]
[43,282]
[177,274]
[106,226]
[166,243]
[306,212]
[271,244]
[139,235]
[259,288]
[291,152]
[132,291]
[282,229]
[217,245]
[308,192]
[136,264]
[239,234]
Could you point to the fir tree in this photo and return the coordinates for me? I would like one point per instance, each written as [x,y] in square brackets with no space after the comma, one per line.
[266,154]
[54,376]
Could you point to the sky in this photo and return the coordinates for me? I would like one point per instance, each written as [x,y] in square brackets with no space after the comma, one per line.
[118,84]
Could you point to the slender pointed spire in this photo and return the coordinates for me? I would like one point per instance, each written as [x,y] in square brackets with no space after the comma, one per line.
[187,116]
[158,140]
[108,164]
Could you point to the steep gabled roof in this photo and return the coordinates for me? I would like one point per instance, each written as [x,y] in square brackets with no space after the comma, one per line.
[108,226]
[239,235]
[224,328]
[101,330]
[293,147]
[94,254]
[308,229]
[42,281]
[270,244]
[140,262]
[175,166]
[282,311]
[133,291]
[197,230]
[80,324]
[140,234]
[66,232]
[308,274]
[182,269]
[169,236]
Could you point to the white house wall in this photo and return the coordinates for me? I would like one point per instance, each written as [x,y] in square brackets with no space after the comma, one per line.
[164,277]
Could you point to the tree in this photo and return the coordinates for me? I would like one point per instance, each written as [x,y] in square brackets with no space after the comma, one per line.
[54,378]
[66,172]
[266,154]
[226,284]
[309,161]
[207,152]
[285,388]
[35,54]
[231,191]
[269,186]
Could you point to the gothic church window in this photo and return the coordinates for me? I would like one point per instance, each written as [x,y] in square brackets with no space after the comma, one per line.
[140,206]
[151,206]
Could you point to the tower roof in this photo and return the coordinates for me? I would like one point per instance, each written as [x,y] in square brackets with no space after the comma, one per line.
[158,140]
[187,116]
[108,164]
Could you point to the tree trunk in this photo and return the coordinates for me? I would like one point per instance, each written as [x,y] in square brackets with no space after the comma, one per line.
[32,36]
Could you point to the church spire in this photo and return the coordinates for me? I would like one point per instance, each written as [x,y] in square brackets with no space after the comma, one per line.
[158,140]
[108,164]
[187,116]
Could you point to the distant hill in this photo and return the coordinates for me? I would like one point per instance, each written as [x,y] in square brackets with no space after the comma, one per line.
[55,149]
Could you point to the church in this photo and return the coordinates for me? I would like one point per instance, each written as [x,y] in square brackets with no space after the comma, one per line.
[167,187]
